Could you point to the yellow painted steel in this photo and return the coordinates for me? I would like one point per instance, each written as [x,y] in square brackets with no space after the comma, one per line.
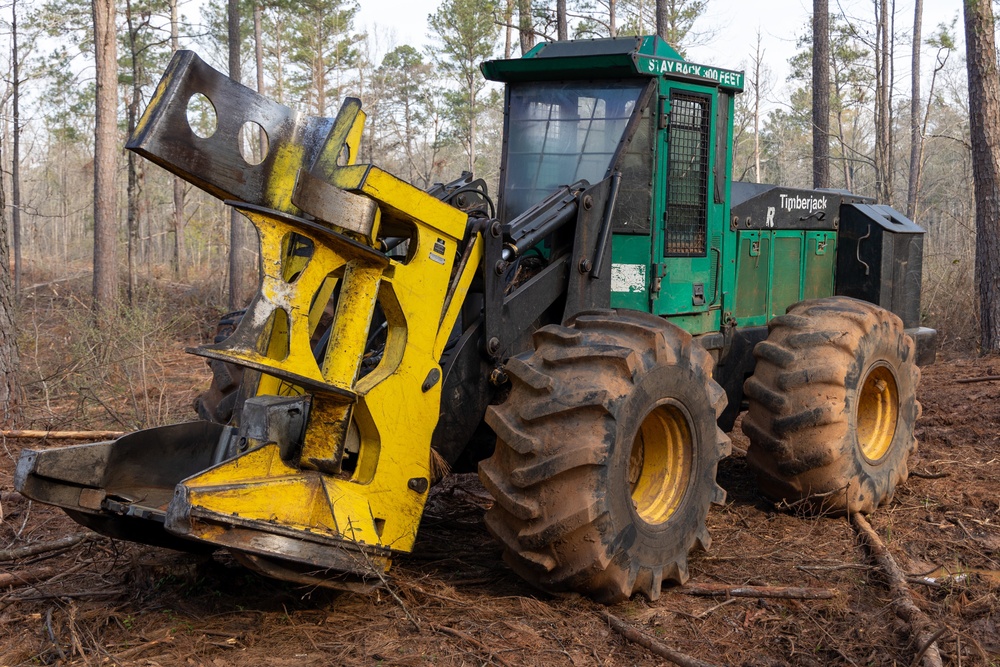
[462,283]
[395,407]
[293,358]
[398,199]
[878,412]
[660,463]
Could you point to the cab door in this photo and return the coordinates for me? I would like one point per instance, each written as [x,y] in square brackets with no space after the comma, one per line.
[687,248]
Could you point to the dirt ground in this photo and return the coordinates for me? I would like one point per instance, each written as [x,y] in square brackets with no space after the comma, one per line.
[454,602]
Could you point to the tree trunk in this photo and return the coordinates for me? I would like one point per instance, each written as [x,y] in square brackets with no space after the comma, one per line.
[883,105]
[942,59]
[821,94]
[472,125]
[15,166]
[984,121]
[258,53]
[526,30]
[10,390]
[663,23]
[132,188]
[105,157]
[242,276]
[279,63]
[178,212]
[916,137]
[758,66]
[508,20]
[258,47]
[561,27]
[848,169]
[233,38]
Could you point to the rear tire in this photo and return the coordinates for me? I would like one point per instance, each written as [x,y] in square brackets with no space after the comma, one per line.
[606,455]
[833,406]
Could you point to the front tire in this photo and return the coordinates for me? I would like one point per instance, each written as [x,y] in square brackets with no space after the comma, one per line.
[833,406]
[218,402]
[606,456]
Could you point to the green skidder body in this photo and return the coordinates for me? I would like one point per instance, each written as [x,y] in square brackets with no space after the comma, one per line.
[703,297]
[688,244]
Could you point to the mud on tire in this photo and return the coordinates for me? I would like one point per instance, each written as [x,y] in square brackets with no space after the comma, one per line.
[832,406]
[606,456]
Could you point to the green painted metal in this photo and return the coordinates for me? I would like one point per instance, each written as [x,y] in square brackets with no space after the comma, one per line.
[718,274]
[685,277]
[775,269]
[606,58]
[753,275]
[786,271]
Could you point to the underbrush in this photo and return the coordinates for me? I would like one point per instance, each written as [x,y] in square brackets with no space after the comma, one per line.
[125,371]
[129,371]
[948,302]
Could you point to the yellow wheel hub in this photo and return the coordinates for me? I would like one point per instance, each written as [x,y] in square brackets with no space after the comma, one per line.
[660,463]
[878,411]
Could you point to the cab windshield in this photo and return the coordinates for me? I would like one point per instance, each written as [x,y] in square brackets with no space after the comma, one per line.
[560,133]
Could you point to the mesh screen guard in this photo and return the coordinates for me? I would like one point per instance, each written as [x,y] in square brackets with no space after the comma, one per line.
[687,175]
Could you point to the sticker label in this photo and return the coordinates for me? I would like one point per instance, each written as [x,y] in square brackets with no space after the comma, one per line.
[437,254]
[628,278]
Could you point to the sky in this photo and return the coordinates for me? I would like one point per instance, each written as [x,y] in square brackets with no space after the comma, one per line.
[735,24]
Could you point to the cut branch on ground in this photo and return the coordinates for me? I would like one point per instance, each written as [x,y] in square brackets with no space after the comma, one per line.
[921,629]
[785,592]
[653,646]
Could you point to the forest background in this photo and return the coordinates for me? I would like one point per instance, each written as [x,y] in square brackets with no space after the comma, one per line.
[898,118]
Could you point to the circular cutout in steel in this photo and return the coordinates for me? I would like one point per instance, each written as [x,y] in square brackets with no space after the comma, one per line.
[253,143]
[201,116]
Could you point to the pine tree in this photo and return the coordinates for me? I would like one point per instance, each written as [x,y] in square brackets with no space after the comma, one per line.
[821,93]
[408,111]
[466,35]
[9,386]
[675,21]
[323,49]
[984,118]
[106,149]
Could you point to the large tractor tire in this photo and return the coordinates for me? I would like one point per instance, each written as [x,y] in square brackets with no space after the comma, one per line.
[833,406]
[218,402]
[606,456]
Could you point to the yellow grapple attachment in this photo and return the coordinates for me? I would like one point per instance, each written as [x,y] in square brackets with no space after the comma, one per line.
[278,492]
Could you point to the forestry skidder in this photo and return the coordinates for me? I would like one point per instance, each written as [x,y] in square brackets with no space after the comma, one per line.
[608,320]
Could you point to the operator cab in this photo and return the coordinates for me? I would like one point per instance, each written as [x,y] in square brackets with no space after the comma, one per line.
[633,110]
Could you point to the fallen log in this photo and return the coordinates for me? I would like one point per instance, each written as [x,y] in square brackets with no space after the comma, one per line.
[136,650]
[653,646]
[785,592]
[26,577]
[44,547]
[902,603]
[35,575]
[984,378]
[25,434]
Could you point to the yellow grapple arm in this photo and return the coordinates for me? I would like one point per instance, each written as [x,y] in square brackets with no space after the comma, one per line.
[319,217]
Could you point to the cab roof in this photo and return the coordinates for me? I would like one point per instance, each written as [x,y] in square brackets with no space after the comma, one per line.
[614,58]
